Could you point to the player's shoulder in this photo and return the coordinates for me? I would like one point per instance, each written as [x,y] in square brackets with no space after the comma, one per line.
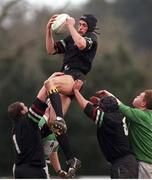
[24,121]
[92,35]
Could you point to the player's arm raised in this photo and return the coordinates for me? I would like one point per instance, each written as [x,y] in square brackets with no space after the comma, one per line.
[81,100]
[78,39]
[49,38]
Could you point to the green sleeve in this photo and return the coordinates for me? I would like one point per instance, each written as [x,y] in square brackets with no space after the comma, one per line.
[41,122]
[133,114]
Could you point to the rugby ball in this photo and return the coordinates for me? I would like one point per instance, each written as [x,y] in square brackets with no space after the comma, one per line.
[59,26]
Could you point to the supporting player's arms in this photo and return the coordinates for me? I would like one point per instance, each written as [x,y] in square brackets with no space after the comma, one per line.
[81,100]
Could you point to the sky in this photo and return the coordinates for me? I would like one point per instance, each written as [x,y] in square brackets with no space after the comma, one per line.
[56,3]
[60,3]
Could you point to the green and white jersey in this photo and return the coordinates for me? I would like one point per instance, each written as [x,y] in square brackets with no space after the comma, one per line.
[50,143]
[140,131]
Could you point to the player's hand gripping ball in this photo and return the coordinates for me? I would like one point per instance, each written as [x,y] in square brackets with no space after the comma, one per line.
[59,25]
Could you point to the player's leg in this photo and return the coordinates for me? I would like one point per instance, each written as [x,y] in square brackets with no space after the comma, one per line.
[59,84]
[64,83]
[72,162]
[26,171]
[62,137]
[66,101]
[42,94]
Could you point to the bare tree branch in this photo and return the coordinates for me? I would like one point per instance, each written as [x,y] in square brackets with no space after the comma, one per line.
[6,8]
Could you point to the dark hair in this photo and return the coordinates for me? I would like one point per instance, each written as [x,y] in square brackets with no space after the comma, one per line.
[90,20]
[14,110]
[148,98]
[108,104]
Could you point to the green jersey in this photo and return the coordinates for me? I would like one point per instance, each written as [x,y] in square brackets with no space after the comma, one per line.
[50,143]
[140,131]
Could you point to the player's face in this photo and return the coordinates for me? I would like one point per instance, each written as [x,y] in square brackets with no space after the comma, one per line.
[25,109]
[82,27]
[139,101]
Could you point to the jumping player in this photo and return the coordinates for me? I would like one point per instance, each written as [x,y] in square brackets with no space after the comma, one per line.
[79,50]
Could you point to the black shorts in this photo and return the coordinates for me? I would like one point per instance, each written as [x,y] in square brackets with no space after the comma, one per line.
[125,167]
[27,171]
[75,74]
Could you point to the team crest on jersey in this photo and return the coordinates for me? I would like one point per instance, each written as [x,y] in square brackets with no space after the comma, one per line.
[66,67]
[90,42]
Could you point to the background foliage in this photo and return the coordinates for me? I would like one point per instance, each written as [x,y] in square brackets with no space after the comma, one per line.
[122,65]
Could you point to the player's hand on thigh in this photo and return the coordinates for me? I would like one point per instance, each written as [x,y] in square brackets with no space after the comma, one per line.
[47,84]
[77,85]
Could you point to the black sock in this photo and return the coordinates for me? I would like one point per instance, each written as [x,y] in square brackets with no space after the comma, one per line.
[65,145]
[56,102]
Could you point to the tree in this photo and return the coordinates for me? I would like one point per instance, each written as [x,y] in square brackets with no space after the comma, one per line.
[137,15]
